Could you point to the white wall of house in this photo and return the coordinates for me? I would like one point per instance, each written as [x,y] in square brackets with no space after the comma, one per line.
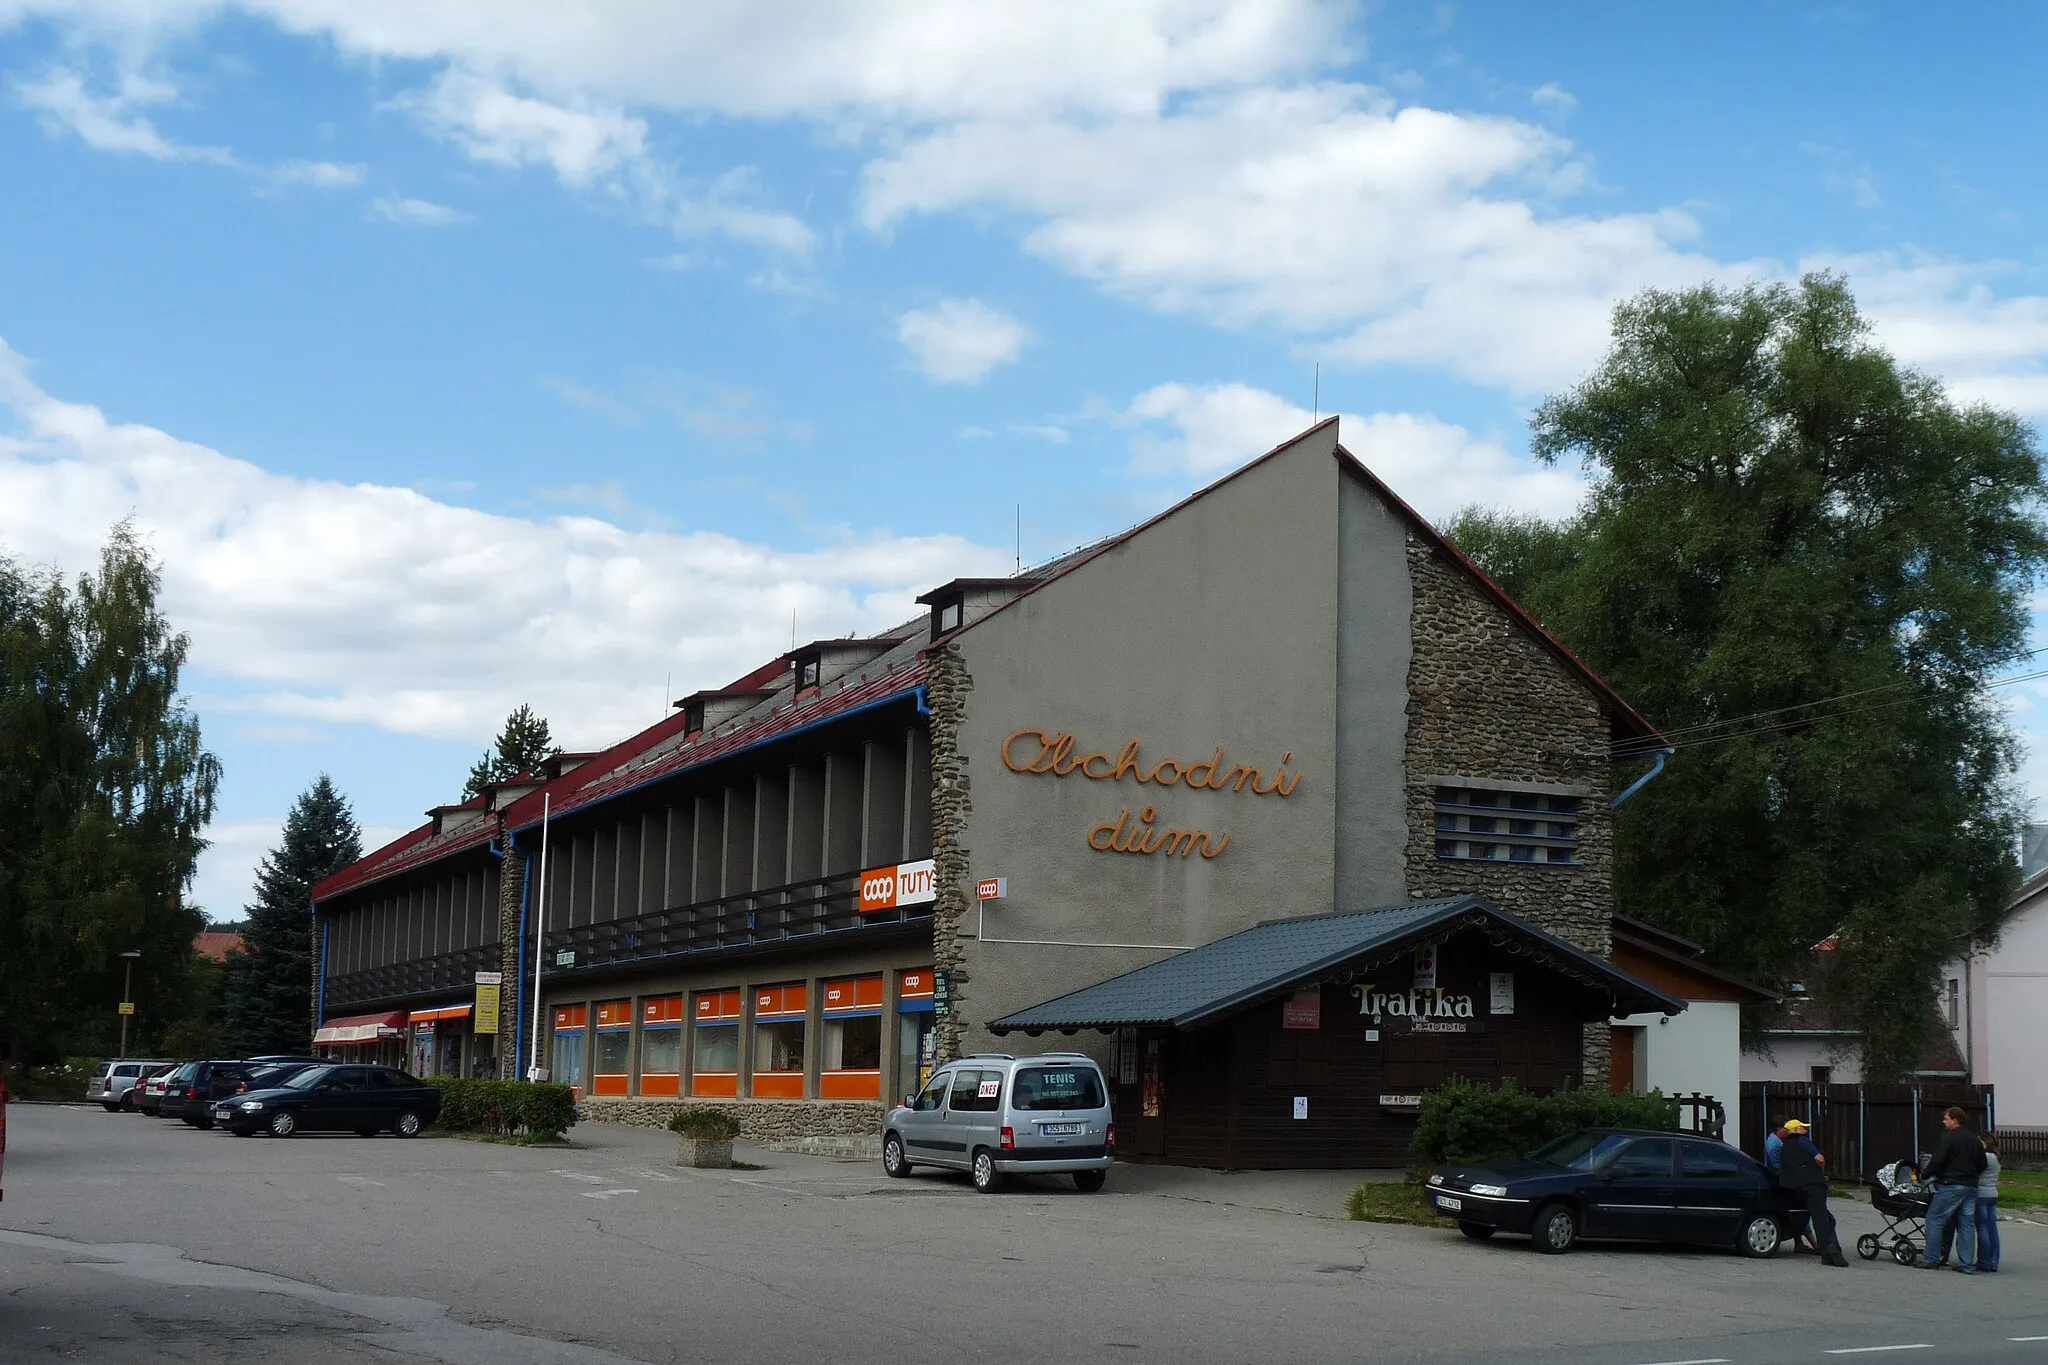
[1695,1052]
[2002,1015]
[1792,1057]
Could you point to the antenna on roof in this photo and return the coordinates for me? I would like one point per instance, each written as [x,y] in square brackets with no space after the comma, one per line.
[792,627]
[667,682]
[1020,537]
[1316,409]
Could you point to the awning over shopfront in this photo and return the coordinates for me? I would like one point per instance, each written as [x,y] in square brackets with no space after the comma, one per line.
[444,1012]
[1280,956]
[361,1028]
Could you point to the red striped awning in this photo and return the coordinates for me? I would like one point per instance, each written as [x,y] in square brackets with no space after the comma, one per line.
[361,1028]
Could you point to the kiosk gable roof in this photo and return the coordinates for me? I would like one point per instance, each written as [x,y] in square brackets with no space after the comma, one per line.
[1259,963]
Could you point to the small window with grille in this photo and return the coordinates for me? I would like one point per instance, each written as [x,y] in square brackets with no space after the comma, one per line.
[1498,823]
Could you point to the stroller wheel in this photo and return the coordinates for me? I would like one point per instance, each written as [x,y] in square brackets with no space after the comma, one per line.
[1904,1252]
[1866,1246]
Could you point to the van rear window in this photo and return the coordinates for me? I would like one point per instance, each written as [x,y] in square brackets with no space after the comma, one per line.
[1057,1087]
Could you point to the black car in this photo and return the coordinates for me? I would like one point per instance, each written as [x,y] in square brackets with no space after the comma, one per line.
[195,1087]
[335,1099]
[1623,1184]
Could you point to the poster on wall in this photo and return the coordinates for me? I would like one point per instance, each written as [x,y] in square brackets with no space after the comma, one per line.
[1303,1010]
[487,1005]
[1425,968]
[1502,993]
[1149,1095]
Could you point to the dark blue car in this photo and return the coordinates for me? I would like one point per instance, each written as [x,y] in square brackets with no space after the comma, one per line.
[1623,1184]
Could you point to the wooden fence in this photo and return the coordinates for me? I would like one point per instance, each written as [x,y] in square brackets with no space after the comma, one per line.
[1862,1127]
[2019,1147]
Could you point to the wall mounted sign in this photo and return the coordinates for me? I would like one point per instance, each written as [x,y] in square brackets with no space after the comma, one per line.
[565,957]
[942,992]
[885,888]
[1304,1010]
[1301,1106]
[1400,1101]
[1054,755]
[992,888]
[1422,1011]
[1425,968]
[488,998]
[1502,993]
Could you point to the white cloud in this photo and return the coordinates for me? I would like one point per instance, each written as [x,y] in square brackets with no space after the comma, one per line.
[1200,431]
[415,212]
[582,142]
[1946,318]
[959,341]
[110,123]
[322,175]
[1553,97]
[380,606]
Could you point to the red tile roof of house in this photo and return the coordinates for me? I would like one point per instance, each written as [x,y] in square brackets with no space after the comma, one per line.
[216,944]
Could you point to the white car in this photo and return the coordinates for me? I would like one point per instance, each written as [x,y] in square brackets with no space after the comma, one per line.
[113,1083]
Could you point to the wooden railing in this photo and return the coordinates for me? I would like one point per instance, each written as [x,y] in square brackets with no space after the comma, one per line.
[416,976]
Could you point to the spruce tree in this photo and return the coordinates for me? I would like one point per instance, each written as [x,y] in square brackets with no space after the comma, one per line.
[519,748]
[267,1002]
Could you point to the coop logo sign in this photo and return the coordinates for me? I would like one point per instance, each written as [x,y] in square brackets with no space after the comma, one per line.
[885,888]
[1058,754]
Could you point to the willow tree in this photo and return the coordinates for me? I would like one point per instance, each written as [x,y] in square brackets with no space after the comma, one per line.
[105,789]
[1808,564]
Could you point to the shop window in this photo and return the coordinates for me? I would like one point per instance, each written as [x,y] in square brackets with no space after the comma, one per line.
[1543,831]
[661,1046]
[566,1058]
[716,1045]
[779,1013]
[851,1068]
[916,1035]
[612,1070]
[422,1060]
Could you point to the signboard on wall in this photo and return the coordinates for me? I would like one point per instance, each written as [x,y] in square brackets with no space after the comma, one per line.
[1303,1010]
[942,992]
[886,888]
[1502,993]
[485,1016]
[1425,968]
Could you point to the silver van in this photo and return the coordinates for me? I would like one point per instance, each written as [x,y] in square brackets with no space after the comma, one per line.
[994,1115]
[113,1080]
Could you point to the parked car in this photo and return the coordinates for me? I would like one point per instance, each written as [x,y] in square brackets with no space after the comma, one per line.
[334,1098]
[994,1116]
[113,1083]
[1624,1184]
[195,1086]
[151,1090]
[269,1075]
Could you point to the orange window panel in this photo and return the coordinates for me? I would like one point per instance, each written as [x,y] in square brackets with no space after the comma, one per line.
[721,1083]
[846,1085]
[718,1007]
[780,1002]
[570,1016]
[776,1085]
[615,1014]
[608,1084]
[853,993]
[666,1085]
[664,1009]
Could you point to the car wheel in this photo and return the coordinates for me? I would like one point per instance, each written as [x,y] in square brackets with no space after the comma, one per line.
[283,1123]
[1088,1182]
[1867,1247]
[407,1124]
[127,1105]
[987,1179]
[1760,1236]
[893,1160]
[1478,1232]
[1556,1229]
[111,1106]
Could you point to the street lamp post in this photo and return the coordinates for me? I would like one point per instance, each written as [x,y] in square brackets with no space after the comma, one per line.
[127,999]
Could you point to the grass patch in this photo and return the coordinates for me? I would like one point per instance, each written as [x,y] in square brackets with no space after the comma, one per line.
[748,1166]
[2023,1189]
[1387,1202]
[523,1140]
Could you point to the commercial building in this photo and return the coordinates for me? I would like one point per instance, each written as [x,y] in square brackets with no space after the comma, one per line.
[1286,696]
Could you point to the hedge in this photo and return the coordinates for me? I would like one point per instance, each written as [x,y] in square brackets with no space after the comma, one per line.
[1462,1122]
[505,1108]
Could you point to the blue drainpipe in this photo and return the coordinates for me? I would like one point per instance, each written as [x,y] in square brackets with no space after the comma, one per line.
[1642,781]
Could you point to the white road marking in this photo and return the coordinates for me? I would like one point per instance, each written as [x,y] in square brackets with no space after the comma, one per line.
[583,1176]
[1703,1360]
[652,1175]
[358,1180]
[1867,1350]
[2027,1338]
[606,1194]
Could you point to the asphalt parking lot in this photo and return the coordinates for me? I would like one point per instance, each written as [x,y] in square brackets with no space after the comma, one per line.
[129,1239]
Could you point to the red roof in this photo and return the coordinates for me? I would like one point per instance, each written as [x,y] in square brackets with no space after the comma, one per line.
[1625,717]
[216,944]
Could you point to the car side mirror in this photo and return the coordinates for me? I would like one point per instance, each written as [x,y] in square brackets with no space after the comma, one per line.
[910,1101]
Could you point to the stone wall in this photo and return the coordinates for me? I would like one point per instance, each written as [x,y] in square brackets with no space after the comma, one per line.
[946,687]
[759,1120]
[511,898]
[1487,700]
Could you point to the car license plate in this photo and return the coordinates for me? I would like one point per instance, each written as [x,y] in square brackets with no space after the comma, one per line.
[1059,1129]
[1444,1201]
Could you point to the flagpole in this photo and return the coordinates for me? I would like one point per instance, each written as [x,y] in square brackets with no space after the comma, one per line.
[534,1069]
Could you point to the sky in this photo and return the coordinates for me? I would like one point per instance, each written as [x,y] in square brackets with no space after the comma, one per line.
[454,354]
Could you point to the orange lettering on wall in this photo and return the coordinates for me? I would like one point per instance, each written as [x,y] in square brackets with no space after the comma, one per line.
[1053,755]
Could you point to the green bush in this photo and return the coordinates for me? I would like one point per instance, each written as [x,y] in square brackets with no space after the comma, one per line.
[505,1108]
[702,1124]
[64,1081]
[1462,1122]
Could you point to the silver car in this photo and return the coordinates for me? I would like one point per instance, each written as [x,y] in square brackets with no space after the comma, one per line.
[994,1116]
[112,1081]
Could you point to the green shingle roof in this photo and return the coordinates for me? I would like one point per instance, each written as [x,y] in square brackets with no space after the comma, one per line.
[1277,956]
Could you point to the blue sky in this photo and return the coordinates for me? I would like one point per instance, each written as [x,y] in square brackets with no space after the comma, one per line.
[456,355]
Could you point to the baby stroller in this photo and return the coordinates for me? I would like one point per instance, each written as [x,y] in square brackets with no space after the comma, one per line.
[1901,1200]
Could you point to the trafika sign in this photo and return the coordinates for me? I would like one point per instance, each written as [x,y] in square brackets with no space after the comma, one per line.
[885,888]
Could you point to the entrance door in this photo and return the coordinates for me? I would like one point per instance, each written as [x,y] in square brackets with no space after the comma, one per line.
[1637,1195]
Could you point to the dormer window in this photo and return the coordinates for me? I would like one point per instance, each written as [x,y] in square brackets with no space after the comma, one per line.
[806,675]
[948,618]
[693,718]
